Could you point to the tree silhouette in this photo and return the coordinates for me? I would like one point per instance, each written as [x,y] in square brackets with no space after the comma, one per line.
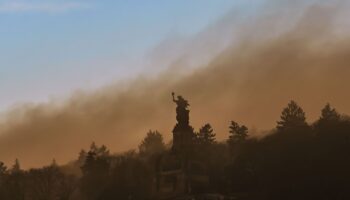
[87,168]
[16,183]
[131,178]
[93,147]
[3,168]
[82,157]
[97,159]
[206,135]
[16,167]
[329,114]
[45,183]
[54,163]
[152,143]
[237,133]
[95,171]
[302,163]
[3,173]
[102,151]
[292,116]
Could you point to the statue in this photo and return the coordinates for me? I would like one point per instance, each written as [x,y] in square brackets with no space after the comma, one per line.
[182,113]
[181,102]
[179,163]
[182,132]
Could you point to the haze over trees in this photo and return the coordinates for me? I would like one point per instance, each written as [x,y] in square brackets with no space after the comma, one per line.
[296,160]
[153,143]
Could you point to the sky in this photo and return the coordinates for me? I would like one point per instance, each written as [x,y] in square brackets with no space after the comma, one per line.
[48,49]
[252,60]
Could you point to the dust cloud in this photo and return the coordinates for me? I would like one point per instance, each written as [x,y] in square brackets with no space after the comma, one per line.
[291,51]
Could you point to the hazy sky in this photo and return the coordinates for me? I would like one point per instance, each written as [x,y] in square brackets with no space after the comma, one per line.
[49,48]
[253,58]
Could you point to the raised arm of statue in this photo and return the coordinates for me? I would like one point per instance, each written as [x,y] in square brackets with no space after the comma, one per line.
[173,97]
[180,101]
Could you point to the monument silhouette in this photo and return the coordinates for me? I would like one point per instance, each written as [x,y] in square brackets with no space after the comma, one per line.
[175,168]
[183,133]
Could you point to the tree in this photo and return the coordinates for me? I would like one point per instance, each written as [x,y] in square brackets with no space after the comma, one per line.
[3,168]
[82,157]
[206,135]
[330,123]
[237,133]
[16,167]
[102,151]
[16,183]
[45,183]
[152,143]
[97,159]
[329,114]
[95,171]
[93,147]
[131,178]
[54,163]
[292,116]
[3,173]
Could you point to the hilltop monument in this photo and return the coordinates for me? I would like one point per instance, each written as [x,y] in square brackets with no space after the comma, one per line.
[175,168]
[182,133]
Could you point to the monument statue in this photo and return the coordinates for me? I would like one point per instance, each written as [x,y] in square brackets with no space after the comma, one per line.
[176,167]
[182,132]
[182,114]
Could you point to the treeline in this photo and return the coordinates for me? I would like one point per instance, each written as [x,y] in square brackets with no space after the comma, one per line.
[296,161]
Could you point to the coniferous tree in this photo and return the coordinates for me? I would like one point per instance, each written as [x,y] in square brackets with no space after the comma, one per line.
[54,163]
[3,168]
[237,133]
[152,143]
[206,135]
[292,116]
[329,114]
[87,168]
[82,157]
[3,173]
[16,183]
[93,147]
[95,171]
[45,182]
[331,123]
[16,167]
[96,159]
[102,151]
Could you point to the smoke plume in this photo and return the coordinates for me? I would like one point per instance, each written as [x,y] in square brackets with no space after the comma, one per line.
[282,52]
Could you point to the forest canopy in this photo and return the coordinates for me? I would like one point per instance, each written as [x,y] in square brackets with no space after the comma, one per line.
[296,160]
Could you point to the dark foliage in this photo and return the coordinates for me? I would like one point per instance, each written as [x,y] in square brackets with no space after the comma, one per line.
[152,144]
[296,161]
[206,135]
[292,116]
